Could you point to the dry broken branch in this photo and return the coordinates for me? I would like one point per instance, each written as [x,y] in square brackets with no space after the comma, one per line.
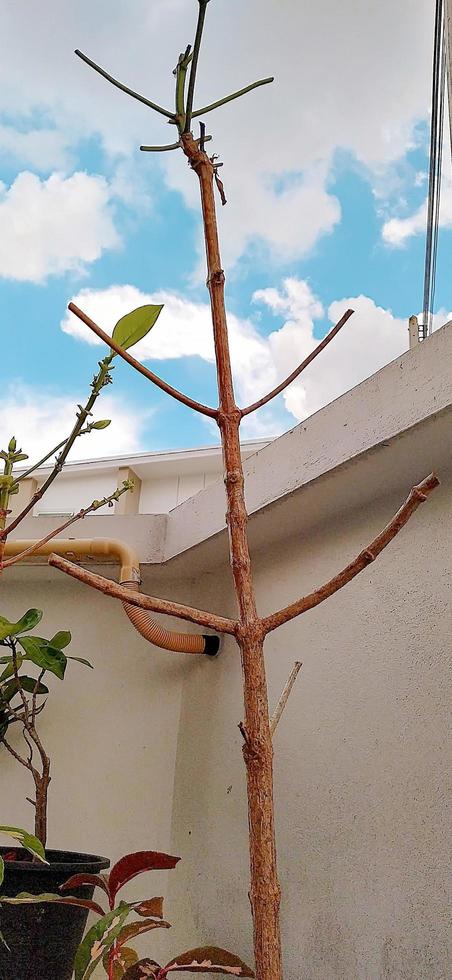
[284,696]
[284,384]
[152,603]
[416,497]
[163,385]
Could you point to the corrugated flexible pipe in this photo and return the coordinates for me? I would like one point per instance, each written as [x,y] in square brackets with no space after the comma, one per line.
[130,578]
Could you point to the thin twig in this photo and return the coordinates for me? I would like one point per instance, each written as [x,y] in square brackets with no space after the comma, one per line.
[161,149]
[124,88]
[284,696]
[277,391]
[34,548]
[230,98]
[152,603]
[34,696]
[178,395]
[98,383]
[413,501]
[15,754]
[194,64]
[44,459]
[20,689]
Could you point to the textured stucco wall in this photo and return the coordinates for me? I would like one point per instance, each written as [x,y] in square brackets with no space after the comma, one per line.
[361,760]
[147,754]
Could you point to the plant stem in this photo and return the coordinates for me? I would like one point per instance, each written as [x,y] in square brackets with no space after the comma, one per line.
[194,64]
[99,382]
[258,749]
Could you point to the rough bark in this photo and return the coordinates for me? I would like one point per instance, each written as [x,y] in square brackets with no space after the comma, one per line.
[257,749]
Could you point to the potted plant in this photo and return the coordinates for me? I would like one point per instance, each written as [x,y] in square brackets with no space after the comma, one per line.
[107,942]
[33,946]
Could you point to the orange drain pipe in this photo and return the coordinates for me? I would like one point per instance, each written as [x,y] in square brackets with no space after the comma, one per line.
[130,578]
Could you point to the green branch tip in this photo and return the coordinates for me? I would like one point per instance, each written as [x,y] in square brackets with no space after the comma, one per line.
[235,95]
[124,88]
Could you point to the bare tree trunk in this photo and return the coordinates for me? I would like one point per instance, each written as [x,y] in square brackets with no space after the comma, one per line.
[258,749]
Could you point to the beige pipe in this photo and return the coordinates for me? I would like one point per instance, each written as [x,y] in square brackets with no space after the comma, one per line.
[129,577]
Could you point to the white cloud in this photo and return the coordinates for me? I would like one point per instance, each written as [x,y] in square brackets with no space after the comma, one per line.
[43,149]
[337,67]
[54,226]
[40,419]
[397,231]
[262,358]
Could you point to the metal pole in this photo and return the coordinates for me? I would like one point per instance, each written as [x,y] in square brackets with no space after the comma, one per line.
[448,33]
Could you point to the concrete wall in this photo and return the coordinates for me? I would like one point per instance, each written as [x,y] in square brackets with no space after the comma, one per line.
[361,760]
[146,751]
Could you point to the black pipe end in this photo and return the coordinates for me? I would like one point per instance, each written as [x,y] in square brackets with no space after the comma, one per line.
[212,644]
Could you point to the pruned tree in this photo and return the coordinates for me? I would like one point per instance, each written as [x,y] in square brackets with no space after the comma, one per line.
[249,628]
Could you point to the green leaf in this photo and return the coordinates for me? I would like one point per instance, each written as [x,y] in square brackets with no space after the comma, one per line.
[101,424]
[26,898]
[81,660]
[18,457]
[98,940]
[4,723]
[12,445]
[28,621]
[28,841]
[124,958]
[30,685]
[135,325]
[41,653]
[9,669]
[8,691]
[61,639]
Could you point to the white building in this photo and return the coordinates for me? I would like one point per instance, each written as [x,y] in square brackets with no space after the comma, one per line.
[146,750]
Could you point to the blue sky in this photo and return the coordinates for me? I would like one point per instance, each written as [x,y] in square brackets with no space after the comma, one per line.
[326,182]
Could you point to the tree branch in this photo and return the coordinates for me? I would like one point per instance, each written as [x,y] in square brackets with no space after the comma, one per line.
[178,395]
[152,603]
[416,497]
[15,754]
[100,380]
[277,391]
[230,98]
[124,88]
[284,696]
[194,63]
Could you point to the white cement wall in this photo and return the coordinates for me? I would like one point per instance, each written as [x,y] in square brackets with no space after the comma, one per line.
[362,760]
[146,750]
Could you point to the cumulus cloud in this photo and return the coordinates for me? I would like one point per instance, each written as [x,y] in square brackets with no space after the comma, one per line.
[54,226]
[263,356]
[398,231]
[337,67]
[40,419]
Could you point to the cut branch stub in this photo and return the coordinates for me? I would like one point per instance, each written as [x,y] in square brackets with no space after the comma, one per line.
[368,555]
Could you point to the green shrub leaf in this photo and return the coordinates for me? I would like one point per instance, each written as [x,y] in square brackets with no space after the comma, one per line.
[135,325]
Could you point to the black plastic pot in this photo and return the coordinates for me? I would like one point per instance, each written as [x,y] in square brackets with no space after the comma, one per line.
[43,938]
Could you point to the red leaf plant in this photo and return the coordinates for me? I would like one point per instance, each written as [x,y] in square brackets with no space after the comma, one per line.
[108,939]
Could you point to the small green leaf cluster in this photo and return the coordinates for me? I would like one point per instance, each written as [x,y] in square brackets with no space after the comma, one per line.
[46,655]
